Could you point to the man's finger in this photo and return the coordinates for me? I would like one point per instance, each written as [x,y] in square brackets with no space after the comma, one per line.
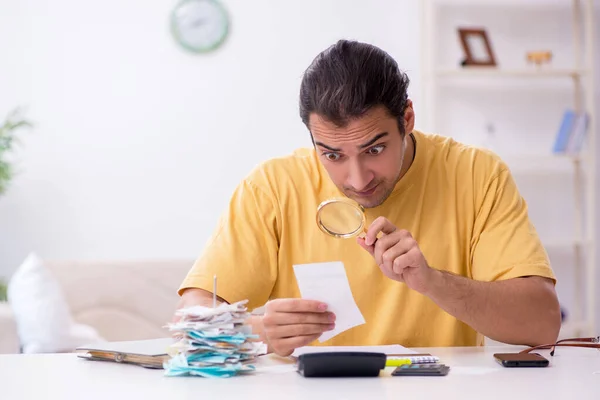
[388,255]
[293,318]
[297,305]
[287,331]
[381,224]
[401,263]
[382,246]
[361,241]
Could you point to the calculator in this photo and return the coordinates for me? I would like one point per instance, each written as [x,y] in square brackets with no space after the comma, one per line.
[421,370]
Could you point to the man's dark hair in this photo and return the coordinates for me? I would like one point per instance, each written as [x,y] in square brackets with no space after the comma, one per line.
[349,78]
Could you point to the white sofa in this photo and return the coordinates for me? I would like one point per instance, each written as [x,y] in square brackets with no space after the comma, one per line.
[129,300]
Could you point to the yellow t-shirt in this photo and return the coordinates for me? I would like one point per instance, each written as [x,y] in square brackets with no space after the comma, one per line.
[460,203]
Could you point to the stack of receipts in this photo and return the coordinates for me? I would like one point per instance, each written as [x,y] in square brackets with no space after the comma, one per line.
[212,342]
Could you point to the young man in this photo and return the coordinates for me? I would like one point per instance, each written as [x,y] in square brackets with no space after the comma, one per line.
[457,257]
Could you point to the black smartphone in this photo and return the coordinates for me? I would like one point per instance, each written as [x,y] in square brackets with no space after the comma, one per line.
[524,360]
[421,370]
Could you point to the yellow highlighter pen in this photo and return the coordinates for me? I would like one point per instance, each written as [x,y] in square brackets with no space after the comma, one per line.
[396,362]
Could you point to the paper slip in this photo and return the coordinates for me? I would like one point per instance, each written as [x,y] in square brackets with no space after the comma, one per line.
[327,282]
[389,349]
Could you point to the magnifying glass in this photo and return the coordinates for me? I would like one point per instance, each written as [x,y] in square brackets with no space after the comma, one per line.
[341,218]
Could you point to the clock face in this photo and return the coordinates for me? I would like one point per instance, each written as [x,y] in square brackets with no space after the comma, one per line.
[200,25]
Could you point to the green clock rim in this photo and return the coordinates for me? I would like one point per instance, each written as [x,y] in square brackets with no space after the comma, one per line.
[206,49]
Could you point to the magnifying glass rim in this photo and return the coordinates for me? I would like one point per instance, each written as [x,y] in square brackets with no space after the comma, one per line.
[349,202]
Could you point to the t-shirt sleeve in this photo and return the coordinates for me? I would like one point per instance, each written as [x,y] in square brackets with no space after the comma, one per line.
[242,251]
[505,243]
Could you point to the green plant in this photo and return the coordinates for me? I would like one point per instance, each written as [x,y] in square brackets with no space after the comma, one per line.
[14,121]
[3,289]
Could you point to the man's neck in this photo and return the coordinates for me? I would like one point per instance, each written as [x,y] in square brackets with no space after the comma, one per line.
[409,155]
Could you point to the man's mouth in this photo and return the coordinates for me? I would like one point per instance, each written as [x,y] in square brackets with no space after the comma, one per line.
[368,192]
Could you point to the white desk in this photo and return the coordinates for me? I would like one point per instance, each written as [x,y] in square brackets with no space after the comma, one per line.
[573,374]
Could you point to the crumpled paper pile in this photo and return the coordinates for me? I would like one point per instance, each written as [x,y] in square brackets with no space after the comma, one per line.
[212,342]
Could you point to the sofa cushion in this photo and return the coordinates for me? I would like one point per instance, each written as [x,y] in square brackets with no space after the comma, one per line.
[42,314]
[123,300]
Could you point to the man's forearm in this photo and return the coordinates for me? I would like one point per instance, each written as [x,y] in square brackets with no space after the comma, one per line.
[522,311]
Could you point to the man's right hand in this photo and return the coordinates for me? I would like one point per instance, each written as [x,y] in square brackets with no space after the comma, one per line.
[292,323]
[194,297]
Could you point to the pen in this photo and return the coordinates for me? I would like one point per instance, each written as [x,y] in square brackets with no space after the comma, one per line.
[396,362]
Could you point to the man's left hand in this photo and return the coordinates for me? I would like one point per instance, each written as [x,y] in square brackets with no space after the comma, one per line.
[398,255]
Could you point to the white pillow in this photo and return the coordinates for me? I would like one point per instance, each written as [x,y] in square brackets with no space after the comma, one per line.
[43,317]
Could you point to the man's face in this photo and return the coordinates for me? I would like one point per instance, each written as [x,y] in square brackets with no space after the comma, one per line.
[364,158]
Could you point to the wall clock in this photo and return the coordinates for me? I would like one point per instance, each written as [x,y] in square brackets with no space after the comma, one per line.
[200,26]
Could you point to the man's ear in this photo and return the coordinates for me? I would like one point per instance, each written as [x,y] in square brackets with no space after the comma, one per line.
[409,117]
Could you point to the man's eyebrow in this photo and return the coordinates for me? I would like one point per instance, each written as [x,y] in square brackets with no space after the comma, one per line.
[362,146]
[376,138]
[327,147]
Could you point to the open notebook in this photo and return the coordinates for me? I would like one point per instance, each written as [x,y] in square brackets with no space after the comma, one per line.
[146,353]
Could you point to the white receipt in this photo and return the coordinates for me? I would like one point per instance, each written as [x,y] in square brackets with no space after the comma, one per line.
[328,283]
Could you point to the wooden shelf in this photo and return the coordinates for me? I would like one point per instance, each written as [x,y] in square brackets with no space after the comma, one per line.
[541,164]
[494,72]
[562,243]
[548,174]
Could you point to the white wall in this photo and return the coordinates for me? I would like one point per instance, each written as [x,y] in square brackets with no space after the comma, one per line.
[138,144]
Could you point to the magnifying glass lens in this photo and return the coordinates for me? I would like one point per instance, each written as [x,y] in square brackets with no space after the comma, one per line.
[340,219]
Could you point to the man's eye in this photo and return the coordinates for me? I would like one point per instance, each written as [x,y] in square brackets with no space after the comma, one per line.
[376,150]
[332,156]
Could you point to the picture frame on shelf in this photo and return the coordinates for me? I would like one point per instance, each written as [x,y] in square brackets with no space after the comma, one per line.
[476,47]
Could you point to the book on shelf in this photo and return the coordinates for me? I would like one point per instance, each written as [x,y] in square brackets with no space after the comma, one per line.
[578,134]
[571,133]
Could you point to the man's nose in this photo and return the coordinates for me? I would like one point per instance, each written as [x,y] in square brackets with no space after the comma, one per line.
[359,177]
